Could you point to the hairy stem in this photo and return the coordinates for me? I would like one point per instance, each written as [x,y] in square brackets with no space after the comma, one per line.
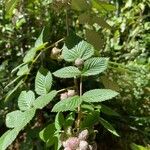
[79,107]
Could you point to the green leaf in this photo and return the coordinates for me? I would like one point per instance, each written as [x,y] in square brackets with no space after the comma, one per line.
[108,111]
[13,81]
[90,119]
[16,68]
[70,104]
[30,55]
[70,118]
[58,142]
[99,95]
[47,135]
[59,121]
[10,6]
[102,6]
[95,39]
[11,93]
[94,66]
[7,138]
[25,100]
[27,117]
[19,119]
[67,72]
[14,119]
[43,81]
[23,70]
[86,18]
[138,147]
[43,100]
[39,42]
[108,126]
[82,50]
[80,5]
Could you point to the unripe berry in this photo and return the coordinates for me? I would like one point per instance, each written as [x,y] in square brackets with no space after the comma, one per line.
[83,135]
[72,143]
[79,62]
[84,145]
[63,96]
[71,93]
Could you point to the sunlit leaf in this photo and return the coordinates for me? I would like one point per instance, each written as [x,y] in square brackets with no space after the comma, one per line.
[43,81]
[94,66]
[82,50]
[99,95]
[68,104]
[25,100]
[67,72]
[43,100]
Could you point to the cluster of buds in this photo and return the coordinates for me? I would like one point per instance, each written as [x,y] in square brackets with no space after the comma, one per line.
[78,143]
[79,62]
[55,53]
[67,94]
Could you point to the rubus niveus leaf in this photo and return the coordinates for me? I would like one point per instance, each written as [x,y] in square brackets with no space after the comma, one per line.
[59,121]
[82,50]
[14,119]
[68,104]
[108,126]
[29,55]
[7,138]
[43,81]
[67,72]
[99,95]
[19,119]
[23,70]
[25,100]
[47,134]
[94,66]
[43,100]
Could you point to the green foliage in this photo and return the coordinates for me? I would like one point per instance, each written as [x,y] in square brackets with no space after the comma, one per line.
[138,147]
[7,138]
[43,100]
[108,126]
[25,100]
[67,72]
[43,81]
[82,50]
[91,31]
[68,104]
[94,66]
[47,135]
[98,95]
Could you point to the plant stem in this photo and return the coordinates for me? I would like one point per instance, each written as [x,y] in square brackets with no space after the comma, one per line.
[79,107]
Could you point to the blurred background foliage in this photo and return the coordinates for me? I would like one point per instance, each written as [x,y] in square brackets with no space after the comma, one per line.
[118,29]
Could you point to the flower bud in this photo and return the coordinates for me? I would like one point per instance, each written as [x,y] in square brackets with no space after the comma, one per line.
[72,143]
[71,93]
[79,62]
[84,145]
[83,135]
[55,51]
[63,96]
